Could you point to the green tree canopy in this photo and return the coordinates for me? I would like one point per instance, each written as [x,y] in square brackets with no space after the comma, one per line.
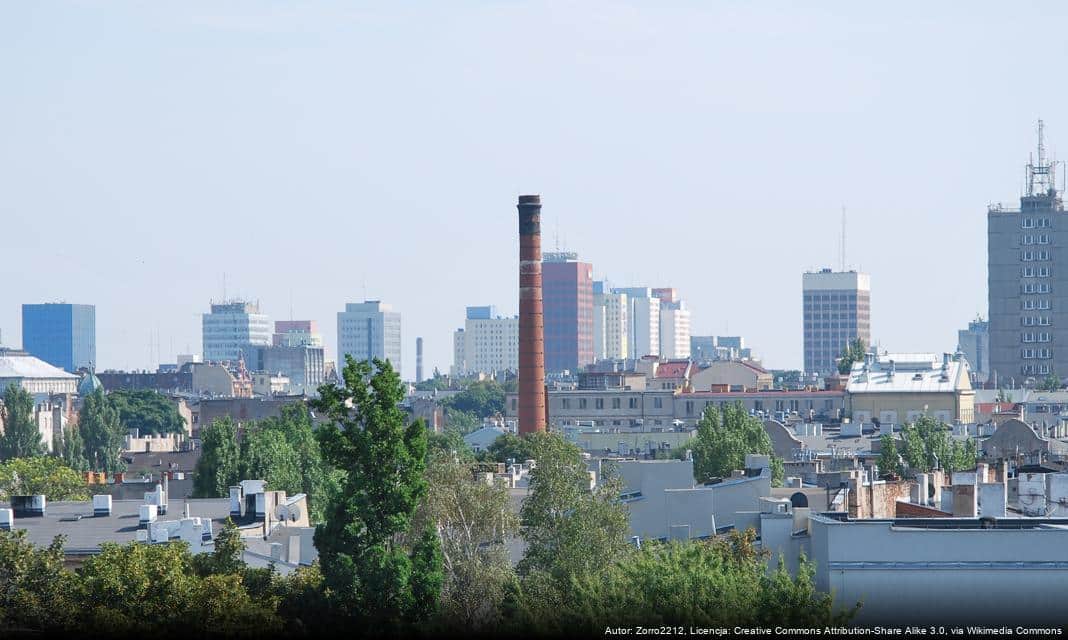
[21,438]
[101,433]
[724,438]
[71,448]
[148,411]
[509,446]
[927,445]
[376,568]
[889,462]
[218,467]
[852,352]
[480,399]
[44,475]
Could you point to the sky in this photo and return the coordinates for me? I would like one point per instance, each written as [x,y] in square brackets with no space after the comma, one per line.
[316,153]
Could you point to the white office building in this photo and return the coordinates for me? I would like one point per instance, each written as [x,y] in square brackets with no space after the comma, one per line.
[488,343]
[643,321]
[367,330]
[232,328]
[674,330]
[610,326]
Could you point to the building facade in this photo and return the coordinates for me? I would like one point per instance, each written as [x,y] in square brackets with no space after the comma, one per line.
[837,310]
[63,335]
[370,329]
[896,388]
[302,364]
[232,328]
[1026,268]
[297,333]
[610,323]
[567,307]
[674,330]
[643,321]
[34,375]
[974,342]
[488,343]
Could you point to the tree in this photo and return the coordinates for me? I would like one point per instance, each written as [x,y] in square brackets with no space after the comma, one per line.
[375,567]
[36,590]
[1050,383]
[507,447]
[315,478]
[218,468]
[102,433]
[266,455]
[569,528]
[479,399]
[450,441]
[889,464]
[474,520]
[852,352]
[71,448]
[723,440]
[21,437]
[147,411]
[41,475]
[927,446]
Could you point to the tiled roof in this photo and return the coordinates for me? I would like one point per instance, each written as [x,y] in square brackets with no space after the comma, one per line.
[672,369]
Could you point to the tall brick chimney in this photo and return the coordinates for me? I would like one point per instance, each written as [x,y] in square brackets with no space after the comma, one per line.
[531,409]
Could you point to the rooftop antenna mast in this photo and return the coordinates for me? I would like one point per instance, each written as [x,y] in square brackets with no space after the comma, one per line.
[843,256]
[224,288]
[1041,173]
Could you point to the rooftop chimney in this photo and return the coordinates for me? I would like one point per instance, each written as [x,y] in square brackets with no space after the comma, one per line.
[418,360]
[532,416]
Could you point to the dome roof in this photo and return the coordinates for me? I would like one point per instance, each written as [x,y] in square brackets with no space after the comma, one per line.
[88,384]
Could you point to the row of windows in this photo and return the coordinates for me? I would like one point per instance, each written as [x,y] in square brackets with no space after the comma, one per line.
[1030,336]
[1033,303]
[1035,256]
[1035,321]
[1044,353]
[1036,272]
[1035,287]
[1039,239]
[1036,223]
[1033,369]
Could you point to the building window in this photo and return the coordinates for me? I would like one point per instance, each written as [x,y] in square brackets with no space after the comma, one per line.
[658,403]
[632,403]
[513,404]
[615,403]
[599,403]
[565,403]
[582,403]
[689,407]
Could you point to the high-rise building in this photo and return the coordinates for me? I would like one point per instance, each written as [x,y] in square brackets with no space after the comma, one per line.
[974,342]
[710,348]
[674,324]
[488,343]
[1027,279]
[232,328]
[297,333]
[567,303]
[837,310]
[609,323]
[63,335]
[643,321]
[367,330]
[302,364]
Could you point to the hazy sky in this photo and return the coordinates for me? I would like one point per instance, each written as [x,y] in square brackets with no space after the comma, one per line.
[317,151]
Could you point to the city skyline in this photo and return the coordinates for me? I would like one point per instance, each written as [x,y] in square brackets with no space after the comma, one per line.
[283,148]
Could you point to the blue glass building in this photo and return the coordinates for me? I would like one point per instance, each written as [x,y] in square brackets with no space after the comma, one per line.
[63,335]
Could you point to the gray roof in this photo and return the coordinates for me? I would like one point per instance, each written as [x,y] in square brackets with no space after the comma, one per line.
[19,364]
[87,534]
[910,373]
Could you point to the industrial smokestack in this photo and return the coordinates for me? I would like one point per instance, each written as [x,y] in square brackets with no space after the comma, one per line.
[532,416]
[418,360]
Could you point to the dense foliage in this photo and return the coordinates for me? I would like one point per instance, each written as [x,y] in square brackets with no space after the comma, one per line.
[724,437]
[218,467]
[147,411]
[378,569]
[926,445]
[102,433]
[41,475]
[21,438]
[852,352]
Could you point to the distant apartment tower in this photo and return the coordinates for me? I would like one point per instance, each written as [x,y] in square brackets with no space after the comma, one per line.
[567,304]
[710,348]
[63,335]
[232,328]
[643,318]
[370,329]
[297,333]
[1027,280]
[487,343]
[610,329]
[837,310]
[974,342]
[674,324]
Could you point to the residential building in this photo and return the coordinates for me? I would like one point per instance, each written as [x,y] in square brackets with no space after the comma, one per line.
[837,310]
[610,323]
[974,342]
[643,321]
[370,329]
[63,335]
[894,388]
[232,328]
[298,360]
[674,329]
[487,343]
[36,376]
[1026,270]
[733,375]
[567,307]
[709,348]
[216,379]
[297,333]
